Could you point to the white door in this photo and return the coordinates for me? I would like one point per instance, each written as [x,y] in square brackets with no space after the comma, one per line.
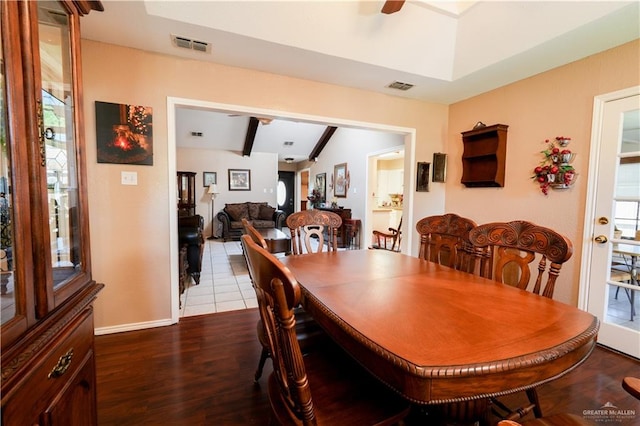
[611,257]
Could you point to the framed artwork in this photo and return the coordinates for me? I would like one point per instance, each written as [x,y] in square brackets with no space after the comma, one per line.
[439,167]
[340,181]
[209,178]
[422,177]
[239,180]
[321,186]
[124,133]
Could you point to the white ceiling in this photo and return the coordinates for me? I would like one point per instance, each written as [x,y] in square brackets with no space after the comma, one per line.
[449,51]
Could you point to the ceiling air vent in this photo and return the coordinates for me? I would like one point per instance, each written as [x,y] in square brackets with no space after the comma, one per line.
[187,43]
[288,143]
[400,85]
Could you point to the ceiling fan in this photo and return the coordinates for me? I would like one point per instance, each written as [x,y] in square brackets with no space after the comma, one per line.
[392,6]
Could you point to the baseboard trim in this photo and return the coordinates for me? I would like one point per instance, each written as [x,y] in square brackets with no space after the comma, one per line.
[132,327]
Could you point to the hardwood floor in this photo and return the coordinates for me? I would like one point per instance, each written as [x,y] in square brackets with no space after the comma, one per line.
[200,372]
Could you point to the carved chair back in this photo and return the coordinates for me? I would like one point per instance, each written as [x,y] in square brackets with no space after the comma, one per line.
[278,293]
[445,240]
[389,240]
[506,249]
[308,227]
[252,232]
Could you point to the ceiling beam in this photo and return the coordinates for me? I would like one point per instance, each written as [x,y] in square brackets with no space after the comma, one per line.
[392,6]
[322,142]
[251,136]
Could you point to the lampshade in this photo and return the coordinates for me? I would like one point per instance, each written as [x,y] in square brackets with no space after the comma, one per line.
[213,189]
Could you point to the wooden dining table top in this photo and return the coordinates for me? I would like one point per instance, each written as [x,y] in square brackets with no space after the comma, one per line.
[438,335]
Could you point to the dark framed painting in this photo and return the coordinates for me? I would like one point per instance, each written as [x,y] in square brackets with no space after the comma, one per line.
[439,167]
[239,180]
[124,133]
[422,177]
[321,186]
[340,180]
[209,178]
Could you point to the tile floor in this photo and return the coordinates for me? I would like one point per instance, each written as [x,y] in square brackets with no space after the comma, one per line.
[223,264]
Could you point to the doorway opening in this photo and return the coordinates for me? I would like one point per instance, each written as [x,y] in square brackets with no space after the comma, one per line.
[409,135]
[387,195]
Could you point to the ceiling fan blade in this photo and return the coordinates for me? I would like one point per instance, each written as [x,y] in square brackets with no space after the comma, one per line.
[392,6]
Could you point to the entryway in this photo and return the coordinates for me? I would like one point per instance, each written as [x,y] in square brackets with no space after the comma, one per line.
[612,221]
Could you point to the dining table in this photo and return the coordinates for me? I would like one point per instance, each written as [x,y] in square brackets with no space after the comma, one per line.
[437,335]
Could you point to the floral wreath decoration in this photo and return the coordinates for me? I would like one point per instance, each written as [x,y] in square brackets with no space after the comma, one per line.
[555,170]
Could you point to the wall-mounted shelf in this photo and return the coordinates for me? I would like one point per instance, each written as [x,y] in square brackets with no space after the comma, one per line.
[483,158]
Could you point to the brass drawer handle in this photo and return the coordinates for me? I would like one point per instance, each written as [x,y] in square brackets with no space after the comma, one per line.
[63,365]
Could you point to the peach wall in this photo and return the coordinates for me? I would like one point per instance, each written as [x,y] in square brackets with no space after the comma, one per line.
[557,102]
[130,225]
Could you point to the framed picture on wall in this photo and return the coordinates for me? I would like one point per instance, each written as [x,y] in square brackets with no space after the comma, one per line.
[239,180]
[340,181]
[321,186]
[124,133]
[439,167]
[422,177]
[209,178]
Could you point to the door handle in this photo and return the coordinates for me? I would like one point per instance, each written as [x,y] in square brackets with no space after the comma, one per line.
[601,239]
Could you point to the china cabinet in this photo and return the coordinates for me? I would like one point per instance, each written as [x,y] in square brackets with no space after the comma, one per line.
[47,290]
[186,193]
[484,156]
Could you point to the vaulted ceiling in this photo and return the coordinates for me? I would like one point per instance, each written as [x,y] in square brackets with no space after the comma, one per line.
[448,51]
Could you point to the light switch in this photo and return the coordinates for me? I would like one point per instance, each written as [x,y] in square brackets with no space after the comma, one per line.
[129,178]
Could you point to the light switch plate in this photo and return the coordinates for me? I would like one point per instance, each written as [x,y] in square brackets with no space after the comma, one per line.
[129,178]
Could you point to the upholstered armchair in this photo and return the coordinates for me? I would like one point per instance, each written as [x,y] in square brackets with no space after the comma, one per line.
[190,235]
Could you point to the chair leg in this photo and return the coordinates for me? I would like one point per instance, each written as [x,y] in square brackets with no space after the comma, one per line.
[533,398]
[263,358]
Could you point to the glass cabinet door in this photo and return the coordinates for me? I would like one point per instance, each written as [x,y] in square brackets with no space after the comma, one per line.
[57,138]
[44,255]
[7,287]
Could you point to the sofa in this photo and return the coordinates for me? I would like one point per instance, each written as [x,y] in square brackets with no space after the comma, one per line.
[190,236]
[260,215]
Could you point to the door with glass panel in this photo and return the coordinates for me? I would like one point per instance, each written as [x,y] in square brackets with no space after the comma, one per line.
[613,215]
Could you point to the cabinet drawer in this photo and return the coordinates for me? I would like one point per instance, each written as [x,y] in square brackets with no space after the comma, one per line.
[52,368]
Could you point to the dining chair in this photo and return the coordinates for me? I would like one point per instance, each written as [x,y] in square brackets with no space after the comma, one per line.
[255,235]
[388,240]
[444,239]
[505,251]
[312,227]
[307,330]
[325,386]
[621,275]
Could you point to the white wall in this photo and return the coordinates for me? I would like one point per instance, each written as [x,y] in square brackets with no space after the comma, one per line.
[264,178]
[352,146]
